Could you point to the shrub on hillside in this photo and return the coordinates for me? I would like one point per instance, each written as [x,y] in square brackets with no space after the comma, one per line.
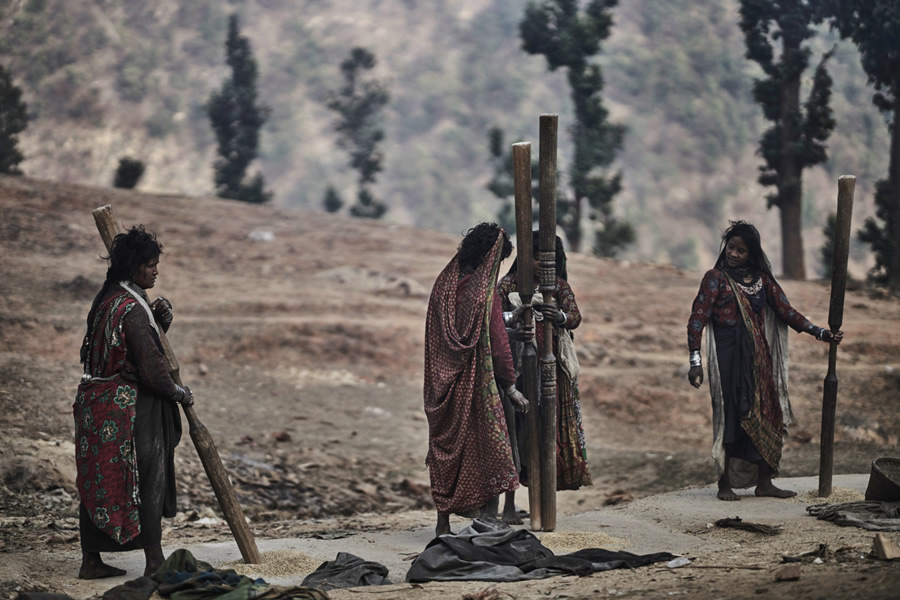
[129,173]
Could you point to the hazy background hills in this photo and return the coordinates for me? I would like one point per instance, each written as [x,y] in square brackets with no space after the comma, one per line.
[109,78]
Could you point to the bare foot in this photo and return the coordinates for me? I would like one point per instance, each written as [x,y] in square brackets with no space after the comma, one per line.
[443,525]
[154,560]
[152,568]
[774,492]
[725,491]
[97,569]
[511,517]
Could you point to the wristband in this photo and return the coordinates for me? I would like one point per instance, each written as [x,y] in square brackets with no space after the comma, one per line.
[695,358]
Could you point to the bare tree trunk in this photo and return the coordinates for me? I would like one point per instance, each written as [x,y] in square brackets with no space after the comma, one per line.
[573,232]
[790,183]
[894,185]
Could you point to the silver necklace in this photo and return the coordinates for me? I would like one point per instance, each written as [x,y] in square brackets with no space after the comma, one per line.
[753,289]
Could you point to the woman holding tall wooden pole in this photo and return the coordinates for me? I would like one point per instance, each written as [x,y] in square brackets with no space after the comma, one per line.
[563,317]
[126,417]
[746,314]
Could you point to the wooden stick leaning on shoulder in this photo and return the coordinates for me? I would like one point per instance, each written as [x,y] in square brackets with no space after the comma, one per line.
[203,441]
[525,287]
[846,185]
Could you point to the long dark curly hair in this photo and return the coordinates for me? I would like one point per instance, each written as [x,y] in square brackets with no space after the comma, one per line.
[130,251]
[756,260]
[477,242]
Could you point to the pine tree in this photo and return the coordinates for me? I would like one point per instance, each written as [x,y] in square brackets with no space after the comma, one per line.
[332,201]
[502,184]
[13,120]
[569,38]
[237,119]
[359,104]
[797,137]
[874,26]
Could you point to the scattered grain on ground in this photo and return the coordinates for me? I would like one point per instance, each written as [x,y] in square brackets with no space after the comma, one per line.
[276,563]
[564,542]
[838,496]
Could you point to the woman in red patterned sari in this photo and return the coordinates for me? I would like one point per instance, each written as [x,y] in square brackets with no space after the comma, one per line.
[466,357]
[126,418]
[747,356]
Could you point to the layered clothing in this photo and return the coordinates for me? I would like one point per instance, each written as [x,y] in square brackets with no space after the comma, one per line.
[571,449]
[746,342]
[126,425]
[469,453]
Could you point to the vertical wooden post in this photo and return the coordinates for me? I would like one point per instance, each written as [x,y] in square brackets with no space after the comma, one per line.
[203,442]
[846,185]
[547,256]
[525,287]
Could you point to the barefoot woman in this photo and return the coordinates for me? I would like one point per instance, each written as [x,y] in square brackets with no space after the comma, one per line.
[747,354]
[126,418]
[466,357]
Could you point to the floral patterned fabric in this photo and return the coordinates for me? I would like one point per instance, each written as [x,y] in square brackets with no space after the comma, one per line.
[725,302]
[104,411]
[716,301]
[763,422]
[469,455]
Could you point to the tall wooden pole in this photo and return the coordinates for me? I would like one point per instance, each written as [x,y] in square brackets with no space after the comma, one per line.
[203,441]
[547,256]
[846,185]
[525,287]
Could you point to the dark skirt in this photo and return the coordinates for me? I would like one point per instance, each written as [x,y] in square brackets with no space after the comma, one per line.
[734,352]
[157,430]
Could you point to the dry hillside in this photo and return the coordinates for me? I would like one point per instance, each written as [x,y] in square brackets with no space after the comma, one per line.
[302,336]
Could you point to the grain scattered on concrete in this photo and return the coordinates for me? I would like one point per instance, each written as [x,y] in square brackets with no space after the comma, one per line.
[564,542]
[276,563]
[838,495]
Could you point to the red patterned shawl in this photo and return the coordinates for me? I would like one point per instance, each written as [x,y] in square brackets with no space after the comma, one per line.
[469,453]
[104,411]
[763,423]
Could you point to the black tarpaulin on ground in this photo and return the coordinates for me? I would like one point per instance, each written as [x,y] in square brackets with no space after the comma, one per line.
[490,550]
[874,516]
[347,571]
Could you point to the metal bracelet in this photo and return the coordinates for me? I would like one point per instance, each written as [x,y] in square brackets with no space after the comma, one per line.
[695,358]
[565,318]
[820,334]
[508,318]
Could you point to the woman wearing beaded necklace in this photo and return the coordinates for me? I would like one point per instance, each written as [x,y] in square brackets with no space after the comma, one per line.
[747,361]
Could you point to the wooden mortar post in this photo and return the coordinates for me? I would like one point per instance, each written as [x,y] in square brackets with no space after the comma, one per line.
[547,257]
[846,185]
[525,287]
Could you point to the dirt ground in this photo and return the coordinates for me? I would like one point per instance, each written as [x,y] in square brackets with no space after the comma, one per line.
[301,335]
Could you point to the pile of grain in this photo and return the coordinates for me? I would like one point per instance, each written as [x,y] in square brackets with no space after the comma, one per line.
[838,495]
[276,563]
[564,542]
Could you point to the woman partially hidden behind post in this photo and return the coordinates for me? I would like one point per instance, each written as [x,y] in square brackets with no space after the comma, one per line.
[747,359]
[126,417]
